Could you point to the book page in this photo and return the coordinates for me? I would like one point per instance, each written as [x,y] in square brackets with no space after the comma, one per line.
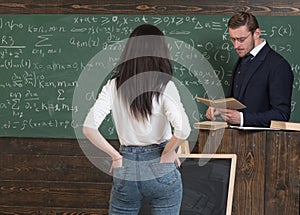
[229,103]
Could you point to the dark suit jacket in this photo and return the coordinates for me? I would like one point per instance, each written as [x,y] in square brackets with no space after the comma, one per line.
[266,89]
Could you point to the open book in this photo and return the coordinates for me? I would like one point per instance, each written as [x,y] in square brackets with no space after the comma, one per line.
[285,125]
[210,125]
[229,103]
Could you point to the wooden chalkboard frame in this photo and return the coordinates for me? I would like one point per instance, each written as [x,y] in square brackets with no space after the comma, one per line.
[183,155]
[212,157]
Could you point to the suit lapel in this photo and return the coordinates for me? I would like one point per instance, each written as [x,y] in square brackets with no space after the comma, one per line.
[253,66]
[231,87]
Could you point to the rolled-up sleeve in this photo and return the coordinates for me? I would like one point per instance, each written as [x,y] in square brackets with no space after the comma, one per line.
[175,112]
[100,109]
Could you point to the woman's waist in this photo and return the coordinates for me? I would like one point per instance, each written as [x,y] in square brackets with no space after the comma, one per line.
[135,148]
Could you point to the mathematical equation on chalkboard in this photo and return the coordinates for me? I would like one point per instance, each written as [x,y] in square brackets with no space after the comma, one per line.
[42,56]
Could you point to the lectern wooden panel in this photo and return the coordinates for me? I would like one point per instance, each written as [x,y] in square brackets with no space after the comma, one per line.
[267,173]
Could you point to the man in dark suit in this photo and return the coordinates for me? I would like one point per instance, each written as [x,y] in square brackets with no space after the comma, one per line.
[262,79]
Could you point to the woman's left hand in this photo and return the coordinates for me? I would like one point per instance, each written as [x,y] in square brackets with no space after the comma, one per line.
[170,157]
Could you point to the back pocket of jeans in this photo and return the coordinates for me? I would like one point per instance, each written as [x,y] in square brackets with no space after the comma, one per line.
[165,173]
[119,175]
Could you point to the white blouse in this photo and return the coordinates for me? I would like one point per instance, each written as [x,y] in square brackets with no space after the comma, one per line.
[154,130]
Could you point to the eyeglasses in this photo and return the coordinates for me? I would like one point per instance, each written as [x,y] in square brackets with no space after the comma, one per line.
[239,39]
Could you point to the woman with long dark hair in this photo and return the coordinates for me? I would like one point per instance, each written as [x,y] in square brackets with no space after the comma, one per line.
[145,105]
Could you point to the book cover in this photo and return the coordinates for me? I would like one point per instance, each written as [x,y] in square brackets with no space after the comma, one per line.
[285,125]
[210,125]
[229,103]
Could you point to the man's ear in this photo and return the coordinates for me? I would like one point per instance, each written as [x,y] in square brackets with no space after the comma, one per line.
[256,34]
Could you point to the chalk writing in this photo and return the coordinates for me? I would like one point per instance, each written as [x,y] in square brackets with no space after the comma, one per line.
[42,56]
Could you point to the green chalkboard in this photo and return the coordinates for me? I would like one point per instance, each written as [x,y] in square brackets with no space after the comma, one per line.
[53,66]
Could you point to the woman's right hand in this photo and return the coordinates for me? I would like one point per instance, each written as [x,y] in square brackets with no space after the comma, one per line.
[116,163]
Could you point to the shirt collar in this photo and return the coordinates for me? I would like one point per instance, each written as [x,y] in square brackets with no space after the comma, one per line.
[255,51]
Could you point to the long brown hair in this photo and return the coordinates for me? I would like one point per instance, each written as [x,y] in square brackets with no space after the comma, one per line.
[144,70]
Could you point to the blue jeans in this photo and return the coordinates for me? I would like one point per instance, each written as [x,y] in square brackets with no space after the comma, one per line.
[142,176]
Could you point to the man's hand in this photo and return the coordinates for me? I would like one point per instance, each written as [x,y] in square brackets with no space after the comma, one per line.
[211,113]
[231,116]
[228,115]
